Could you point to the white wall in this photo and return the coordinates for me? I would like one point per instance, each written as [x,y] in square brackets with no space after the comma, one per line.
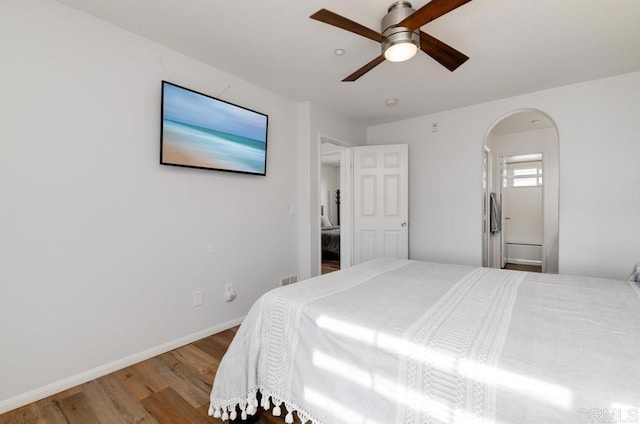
[329,183]
[314,123]
[543,141]
[101,247]
[598,130]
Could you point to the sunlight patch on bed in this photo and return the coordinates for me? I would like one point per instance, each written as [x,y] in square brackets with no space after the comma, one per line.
[391,390]
[553,394]
[355,332]
[348,371]
[423,354]
[423,403]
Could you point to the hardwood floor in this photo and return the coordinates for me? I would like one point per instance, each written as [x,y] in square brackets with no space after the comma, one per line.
[330,265]
[529,268]
[171,388]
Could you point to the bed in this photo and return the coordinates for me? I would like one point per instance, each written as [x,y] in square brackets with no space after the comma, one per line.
[399,341]
[330,243]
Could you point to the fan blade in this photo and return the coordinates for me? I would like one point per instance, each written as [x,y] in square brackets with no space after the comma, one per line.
[446,55]
[328,17]
[366,68]
[430,11]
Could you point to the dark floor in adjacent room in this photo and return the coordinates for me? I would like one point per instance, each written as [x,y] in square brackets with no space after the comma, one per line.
[330,265]
[528,268]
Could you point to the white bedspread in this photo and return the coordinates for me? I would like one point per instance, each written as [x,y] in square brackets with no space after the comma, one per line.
[394,341]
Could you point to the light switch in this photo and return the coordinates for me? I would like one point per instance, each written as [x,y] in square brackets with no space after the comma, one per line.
[197,298]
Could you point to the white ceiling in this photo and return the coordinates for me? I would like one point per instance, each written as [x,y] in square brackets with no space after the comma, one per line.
[515,47]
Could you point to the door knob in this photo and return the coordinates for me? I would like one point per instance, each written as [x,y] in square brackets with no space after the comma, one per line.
[404,224]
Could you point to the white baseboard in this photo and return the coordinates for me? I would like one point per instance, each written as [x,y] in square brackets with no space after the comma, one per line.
[75,380]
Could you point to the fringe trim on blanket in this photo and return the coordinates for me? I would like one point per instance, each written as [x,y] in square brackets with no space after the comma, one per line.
[227,409]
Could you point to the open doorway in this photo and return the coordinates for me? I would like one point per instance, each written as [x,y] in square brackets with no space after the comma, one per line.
[331,200]
[374,226]
[522,210]
[520,193]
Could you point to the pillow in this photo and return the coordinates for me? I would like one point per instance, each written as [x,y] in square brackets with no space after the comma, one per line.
[325,223]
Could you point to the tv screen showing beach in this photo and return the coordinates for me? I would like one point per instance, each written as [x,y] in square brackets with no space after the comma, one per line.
[199,131]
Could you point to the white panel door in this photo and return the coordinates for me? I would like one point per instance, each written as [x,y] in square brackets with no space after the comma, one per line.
[381,202]
[523,203]
[524,215]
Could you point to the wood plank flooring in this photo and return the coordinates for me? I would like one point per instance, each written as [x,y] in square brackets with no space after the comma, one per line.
[172,388]
[528,268]
[330,265]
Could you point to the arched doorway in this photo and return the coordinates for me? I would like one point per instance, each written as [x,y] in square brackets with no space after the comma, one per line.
[520,192]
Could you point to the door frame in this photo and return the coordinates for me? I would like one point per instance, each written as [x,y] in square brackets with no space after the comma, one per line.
[551,241]
[486,213]
[503,173]
[346,202]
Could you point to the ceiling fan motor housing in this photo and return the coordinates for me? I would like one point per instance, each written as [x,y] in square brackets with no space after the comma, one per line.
[393,34]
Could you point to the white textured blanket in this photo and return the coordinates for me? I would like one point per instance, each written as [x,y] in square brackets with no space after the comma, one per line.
[394,341]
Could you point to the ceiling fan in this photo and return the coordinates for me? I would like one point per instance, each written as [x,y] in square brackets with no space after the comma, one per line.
[401,35]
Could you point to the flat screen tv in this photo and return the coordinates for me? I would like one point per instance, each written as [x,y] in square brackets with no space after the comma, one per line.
[200,131]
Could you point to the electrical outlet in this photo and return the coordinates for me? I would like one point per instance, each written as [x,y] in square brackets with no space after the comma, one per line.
[198,298]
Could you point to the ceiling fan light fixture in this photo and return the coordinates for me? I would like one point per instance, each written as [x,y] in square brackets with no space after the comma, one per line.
[400,36]
[400,51]
[399,43]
